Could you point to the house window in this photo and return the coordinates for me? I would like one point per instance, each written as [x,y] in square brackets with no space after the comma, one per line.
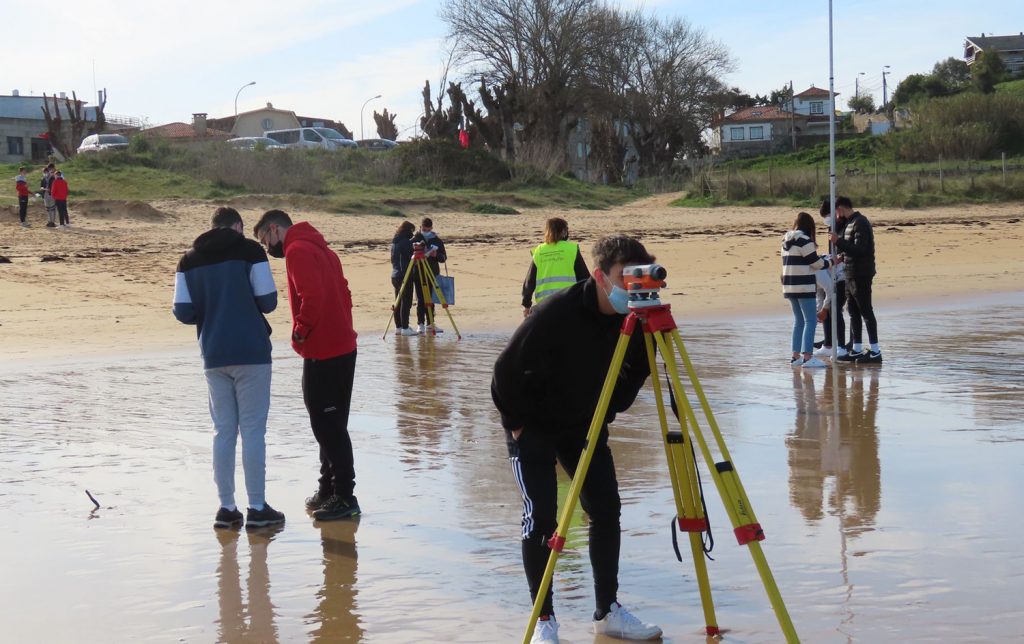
[579,150]
[15,145]
[757,133]
[736,134]
[268,124]
[817,107]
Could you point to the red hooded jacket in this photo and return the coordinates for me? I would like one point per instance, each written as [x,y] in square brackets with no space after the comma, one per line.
[318,293]
[59,189]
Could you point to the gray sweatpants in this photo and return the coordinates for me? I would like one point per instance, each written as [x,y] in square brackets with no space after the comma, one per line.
[239,403]
[51,208]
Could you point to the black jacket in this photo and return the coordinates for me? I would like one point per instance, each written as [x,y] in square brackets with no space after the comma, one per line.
[401,255]
[857,243]
[434,261]
[549,377]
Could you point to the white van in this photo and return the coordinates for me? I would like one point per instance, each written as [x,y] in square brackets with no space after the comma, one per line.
[311,137]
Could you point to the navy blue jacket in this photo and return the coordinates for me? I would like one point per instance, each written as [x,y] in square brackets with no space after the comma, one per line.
[224,286]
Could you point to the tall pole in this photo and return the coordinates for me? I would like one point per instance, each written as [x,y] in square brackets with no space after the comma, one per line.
[832,184]
[362,135]
[239,92]
[885,94]
[792,115]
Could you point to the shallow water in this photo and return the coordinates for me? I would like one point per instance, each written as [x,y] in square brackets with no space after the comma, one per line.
[890,516]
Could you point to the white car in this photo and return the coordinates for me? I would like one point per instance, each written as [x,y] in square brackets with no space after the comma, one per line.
[254,142]
[311,137]
[100,142]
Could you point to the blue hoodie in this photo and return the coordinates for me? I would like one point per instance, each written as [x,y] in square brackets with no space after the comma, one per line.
[224,286]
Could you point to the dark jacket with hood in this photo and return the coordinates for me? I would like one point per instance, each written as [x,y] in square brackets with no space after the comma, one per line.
[318,294]
[549,377]
[401,255]
[857,243]
[224,286]
[435,260]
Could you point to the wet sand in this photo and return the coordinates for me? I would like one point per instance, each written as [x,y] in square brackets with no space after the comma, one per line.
[890,516]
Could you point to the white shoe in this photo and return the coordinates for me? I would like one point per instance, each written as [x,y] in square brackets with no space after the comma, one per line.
[25,224]
[422,329]
[624,625]
[546,632]
[797,362]
[841,351]
[823,351]
[433,328]
[405,331]
[813,363]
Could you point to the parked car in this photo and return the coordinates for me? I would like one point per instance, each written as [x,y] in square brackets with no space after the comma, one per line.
[311,137]
[254,142]
[99,142]
[376,145]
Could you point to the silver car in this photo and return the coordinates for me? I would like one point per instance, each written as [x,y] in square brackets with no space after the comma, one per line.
[100,142]
[254,142]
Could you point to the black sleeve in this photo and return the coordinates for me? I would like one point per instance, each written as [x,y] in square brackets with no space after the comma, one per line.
[580,267]
[442,254]
[634,372]
[518,383]
[529,285]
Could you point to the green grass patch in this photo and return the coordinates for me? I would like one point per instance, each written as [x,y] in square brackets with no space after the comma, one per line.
[493,209]
[1015,87]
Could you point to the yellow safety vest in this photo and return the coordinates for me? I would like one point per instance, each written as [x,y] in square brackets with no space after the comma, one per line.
[555,268]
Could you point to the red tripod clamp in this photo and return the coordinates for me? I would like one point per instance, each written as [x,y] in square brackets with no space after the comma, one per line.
[653,318]
[556,542]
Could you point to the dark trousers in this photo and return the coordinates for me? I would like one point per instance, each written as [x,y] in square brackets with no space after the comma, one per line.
[421,303]
[858,298]
[837,308]
[405,303]
[62,210]
[327,392]
[22,207]
[533,459]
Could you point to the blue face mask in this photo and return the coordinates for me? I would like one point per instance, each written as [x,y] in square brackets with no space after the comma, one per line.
[618,298]
[428,234]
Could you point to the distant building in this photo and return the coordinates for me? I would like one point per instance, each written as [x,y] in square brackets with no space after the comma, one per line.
[183,133]
[1009,48]
[256,122]
[23,127]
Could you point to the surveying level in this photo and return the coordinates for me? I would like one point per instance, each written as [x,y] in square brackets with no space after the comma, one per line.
[661,336]
[427,285]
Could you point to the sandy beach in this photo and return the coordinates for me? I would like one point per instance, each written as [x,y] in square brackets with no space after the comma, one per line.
[105,285]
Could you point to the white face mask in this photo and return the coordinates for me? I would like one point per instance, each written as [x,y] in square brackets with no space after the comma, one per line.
[828,221]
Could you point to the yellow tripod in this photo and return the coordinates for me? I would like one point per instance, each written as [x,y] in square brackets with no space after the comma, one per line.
[427,285]
[661,336]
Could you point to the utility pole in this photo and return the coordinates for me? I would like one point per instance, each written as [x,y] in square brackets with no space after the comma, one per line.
[856,84]
[885,93]
[792,115]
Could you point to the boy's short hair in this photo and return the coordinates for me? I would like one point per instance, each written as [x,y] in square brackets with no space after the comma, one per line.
[428,222]
[278,217]
[225,217]
[21,168]
[619,249]
[844,202]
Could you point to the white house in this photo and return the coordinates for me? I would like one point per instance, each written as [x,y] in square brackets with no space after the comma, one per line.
[756,129]
[814,104]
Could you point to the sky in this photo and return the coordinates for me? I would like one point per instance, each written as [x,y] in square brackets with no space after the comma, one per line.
[162,61]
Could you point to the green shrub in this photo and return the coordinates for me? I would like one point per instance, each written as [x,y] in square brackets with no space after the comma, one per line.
[493,209]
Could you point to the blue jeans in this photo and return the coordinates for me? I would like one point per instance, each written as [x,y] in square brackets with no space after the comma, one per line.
[239,404]
[805,320]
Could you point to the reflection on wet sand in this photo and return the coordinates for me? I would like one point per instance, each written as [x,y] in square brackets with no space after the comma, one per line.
[335,616]
[253,621]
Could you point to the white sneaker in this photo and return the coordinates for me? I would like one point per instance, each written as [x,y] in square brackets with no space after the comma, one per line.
[25,224]
[624,625]
[797,362]
[823,351]
[546,632]
[422,329]
[433,328]
[841,351]
[813,363]
[405,331]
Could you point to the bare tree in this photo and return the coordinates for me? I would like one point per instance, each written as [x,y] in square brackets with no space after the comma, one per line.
[386,128]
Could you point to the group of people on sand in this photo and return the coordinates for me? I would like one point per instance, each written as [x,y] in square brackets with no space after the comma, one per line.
[53,190]
[572,316]
[808,285]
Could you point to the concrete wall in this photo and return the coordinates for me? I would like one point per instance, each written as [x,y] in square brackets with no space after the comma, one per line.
[251,123]
[27,130]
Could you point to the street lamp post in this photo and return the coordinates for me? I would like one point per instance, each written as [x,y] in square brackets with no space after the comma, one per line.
[362,134]
[239,92]
[885,93]
[856,85]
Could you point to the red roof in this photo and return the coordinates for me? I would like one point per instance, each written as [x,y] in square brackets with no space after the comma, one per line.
[814,92]
[182,131]
[761,113]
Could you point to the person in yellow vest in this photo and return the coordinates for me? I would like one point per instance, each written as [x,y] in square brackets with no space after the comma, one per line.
[557,264]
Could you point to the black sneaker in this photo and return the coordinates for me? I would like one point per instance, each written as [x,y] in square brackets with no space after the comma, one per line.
[337,508]
[228,519]
[871,357]
[318,500]
[50,224]
[851,357]
[260,518]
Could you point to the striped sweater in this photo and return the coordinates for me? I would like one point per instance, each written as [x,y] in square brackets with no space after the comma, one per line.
[800,261]
[224,286]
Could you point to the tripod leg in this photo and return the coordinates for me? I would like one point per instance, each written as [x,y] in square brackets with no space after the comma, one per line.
[745,525]
[422,270]
[444,304]
[683,474]
[557,541]
[398,299]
